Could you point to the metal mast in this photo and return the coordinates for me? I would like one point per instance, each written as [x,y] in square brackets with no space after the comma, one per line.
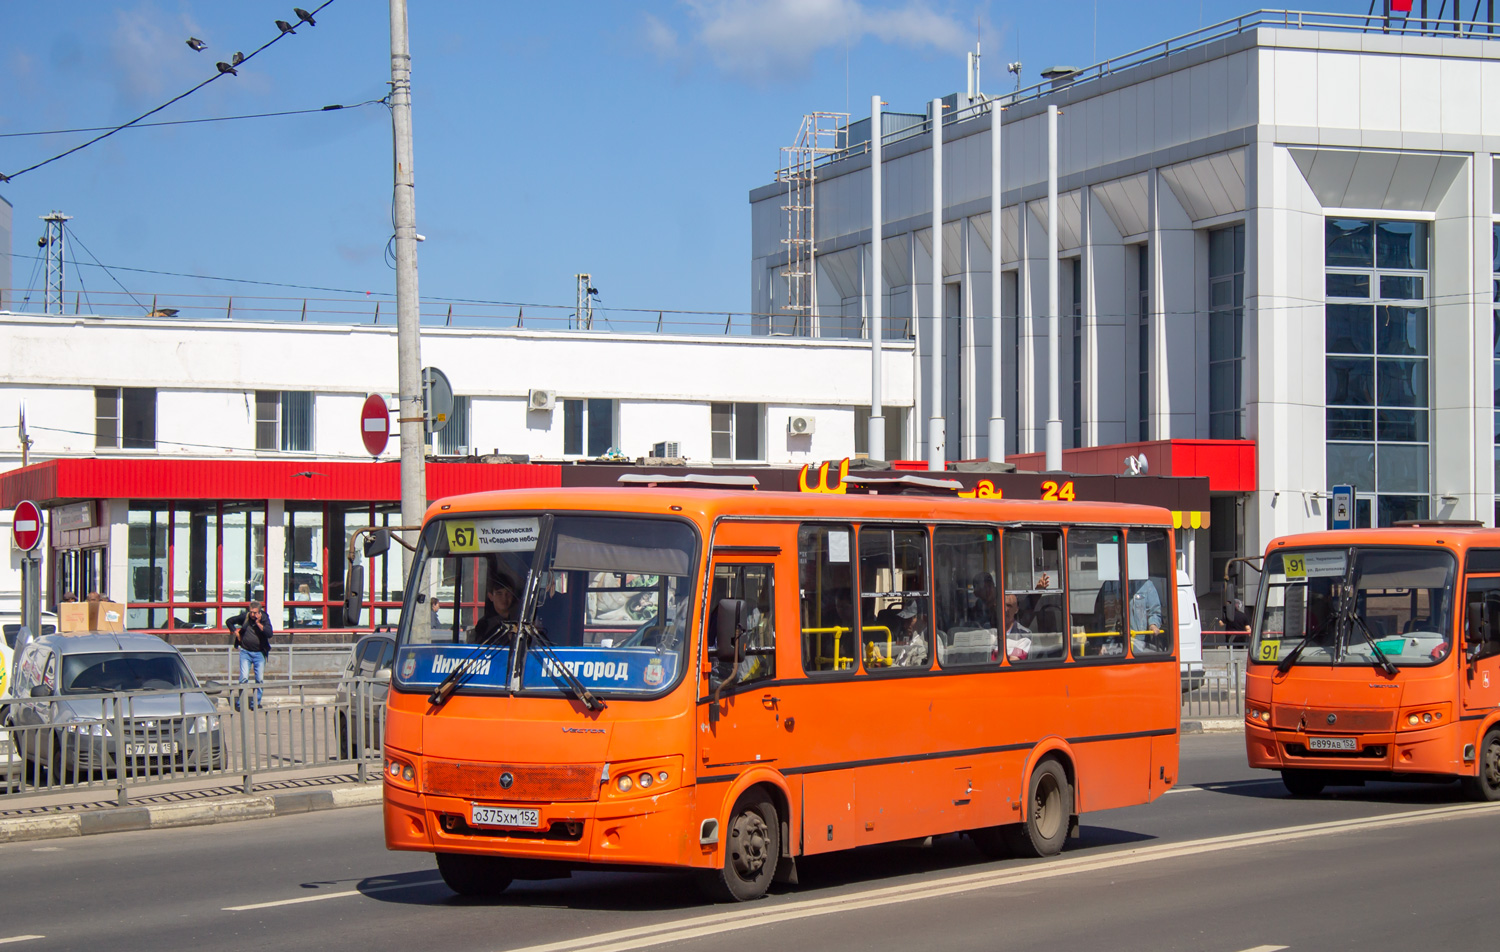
[52,245]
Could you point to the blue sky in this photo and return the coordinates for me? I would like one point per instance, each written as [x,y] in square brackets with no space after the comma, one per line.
[615,138]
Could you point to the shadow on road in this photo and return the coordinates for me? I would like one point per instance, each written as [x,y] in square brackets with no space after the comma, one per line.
[1375,791]
[673,890]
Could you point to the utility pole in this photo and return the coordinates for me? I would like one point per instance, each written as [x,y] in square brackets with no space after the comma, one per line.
[52,244]
[412,413]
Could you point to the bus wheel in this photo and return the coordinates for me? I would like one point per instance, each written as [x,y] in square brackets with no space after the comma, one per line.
[752,845]
[1303,783]
[478,876]
[1049,806]
[1486,786]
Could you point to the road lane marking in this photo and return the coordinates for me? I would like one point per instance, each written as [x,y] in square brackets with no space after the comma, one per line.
[1267,948]
[319,897]
[883,897]
[21,938]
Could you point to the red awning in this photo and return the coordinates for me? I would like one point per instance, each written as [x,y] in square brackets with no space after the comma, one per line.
[61,480]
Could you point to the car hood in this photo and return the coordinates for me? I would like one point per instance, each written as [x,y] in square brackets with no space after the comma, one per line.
[189,703]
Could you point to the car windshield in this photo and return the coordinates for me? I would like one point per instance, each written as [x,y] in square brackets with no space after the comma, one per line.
[613,596]
[1351,606]
[102,672]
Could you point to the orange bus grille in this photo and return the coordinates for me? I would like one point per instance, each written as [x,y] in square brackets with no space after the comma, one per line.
[528,782]
[1315,720]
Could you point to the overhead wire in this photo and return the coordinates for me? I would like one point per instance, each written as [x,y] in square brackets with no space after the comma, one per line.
[74,234]
[178,98]
[334,107]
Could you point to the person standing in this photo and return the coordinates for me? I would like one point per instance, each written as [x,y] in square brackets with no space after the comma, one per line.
[252,635]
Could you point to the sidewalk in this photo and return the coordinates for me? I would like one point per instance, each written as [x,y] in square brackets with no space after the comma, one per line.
[1208,725]
[175,805]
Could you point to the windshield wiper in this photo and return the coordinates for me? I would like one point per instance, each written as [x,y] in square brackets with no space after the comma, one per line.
[466,668]
[1381,661]
[1285,664]
[534,635]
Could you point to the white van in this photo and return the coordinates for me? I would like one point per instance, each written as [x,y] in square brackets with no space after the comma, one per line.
[1189,634]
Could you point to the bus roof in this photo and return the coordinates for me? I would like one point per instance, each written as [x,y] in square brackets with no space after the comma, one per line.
[1456,537]
[710,504]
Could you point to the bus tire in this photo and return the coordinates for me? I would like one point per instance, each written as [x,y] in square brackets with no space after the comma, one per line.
[480,877]
[1486,785]
[1049,808]
[1303,783]
[752,846]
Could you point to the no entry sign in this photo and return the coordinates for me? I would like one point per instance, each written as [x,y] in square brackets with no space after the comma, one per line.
[26,526]
[375,424]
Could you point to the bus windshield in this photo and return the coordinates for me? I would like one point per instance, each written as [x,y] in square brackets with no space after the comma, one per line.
[1355,606]
[612,596]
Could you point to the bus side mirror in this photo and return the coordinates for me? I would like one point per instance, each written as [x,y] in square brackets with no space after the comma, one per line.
[354,595]
[377,543]
[731,619]
[1475,624]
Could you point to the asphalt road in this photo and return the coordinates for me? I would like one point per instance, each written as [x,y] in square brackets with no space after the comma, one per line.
[1225,863]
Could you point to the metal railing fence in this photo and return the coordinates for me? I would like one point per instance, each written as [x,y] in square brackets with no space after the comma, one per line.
[122,743]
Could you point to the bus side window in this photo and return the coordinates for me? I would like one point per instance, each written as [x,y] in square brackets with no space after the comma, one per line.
[965,564]
[1095,592]
[1033,605]
[826,580]
[1152,598]
[895,607]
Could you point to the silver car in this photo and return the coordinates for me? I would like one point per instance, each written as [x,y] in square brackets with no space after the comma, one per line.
[65,719]
[362,694]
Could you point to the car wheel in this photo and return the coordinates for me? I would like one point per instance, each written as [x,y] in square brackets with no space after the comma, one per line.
[1304,783]
[752,847]
[481,877]
[1486,785]
[1049,808]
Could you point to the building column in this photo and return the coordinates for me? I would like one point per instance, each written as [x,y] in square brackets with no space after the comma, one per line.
[116,515]
[276,566]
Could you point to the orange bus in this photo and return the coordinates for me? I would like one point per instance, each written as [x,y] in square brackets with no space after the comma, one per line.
[726,680]
[1377,656]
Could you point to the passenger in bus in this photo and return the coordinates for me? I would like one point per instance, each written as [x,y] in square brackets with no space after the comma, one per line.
[982,603]
[913,653]
[502,604]
[1017,635]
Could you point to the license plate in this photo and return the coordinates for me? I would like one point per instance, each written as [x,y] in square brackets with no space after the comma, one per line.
[1332,743]
[503,816]
[152,749]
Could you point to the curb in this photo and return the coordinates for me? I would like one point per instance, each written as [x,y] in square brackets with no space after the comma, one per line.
[1212,725]
[171,815]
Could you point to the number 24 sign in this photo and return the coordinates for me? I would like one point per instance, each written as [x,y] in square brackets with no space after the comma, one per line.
[1053,491]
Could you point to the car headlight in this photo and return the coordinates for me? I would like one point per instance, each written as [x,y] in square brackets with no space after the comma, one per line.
[203,724]
[89,728]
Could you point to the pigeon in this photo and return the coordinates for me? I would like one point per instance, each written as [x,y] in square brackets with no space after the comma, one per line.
[285,27]
[304,16]
[237,58]
[226,68]
[197,44]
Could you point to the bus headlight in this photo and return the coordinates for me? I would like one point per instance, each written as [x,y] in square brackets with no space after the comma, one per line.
[1420,717]
[643,777]
[400,771]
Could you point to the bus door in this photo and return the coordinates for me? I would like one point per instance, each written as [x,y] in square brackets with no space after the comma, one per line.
[1480,680]
[745,719]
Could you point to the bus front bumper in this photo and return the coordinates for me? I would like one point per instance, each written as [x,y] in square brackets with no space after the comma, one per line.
[656,830]
[1428,751]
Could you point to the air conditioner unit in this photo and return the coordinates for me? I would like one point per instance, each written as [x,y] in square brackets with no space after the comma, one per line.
[665,450]
[801,425]
[541,399]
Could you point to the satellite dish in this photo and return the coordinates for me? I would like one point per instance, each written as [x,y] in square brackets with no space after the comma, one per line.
[437,397]
[1136,465]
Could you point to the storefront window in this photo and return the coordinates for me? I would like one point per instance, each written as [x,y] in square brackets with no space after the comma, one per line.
[191,566]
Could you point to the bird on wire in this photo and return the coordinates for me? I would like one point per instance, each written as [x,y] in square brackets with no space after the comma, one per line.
[198,45]
[237,58]
[285,27]
[226,68]
[304,16]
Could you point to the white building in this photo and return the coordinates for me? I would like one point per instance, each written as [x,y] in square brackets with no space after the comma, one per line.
[1280,230]
[174,455]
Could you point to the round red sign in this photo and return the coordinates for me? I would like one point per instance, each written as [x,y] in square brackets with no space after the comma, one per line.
[375,424]
[26,526]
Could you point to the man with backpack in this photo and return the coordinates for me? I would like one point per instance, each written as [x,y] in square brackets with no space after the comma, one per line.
[252,635]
